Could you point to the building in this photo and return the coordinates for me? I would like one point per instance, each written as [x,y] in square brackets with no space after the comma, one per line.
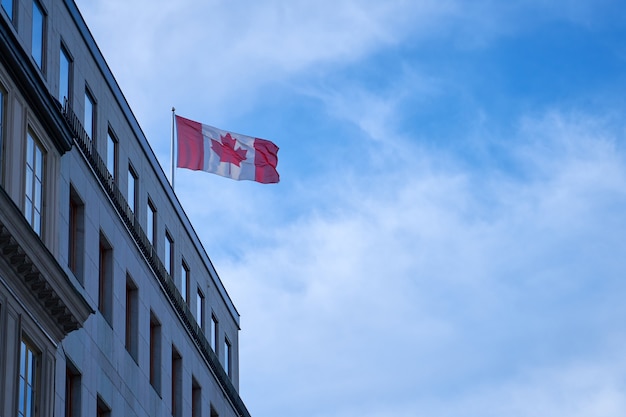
[109,305]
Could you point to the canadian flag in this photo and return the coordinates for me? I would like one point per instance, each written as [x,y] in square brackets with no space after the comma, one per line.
[206,148]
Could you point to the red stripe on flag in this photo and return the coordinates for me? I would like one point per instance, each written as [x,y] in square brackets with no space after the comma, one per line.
[190,144]
[265,161]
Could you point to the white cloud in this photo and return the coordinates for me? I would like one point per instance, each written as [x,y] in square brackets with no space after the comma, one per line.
[226,49]
[580,389]
[216,60]
[441,280]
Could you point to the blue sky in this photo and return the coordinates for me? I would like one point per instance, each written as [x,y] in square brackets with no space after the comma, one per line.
[448,236]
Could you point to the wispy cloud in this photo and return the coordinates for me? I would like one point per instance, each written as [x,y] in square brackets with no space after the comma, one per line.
[234,47]
[423,282]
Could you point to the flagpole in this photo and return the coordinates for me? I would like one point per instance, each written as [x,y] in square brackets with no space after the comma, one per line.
[172,148]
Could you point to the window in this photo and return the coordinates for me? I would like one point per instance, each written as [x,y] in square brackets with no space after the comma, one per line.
[227,357]
[213,412]
[105,280]
[200,308]
[65,75]
[33,194]
[214,332]
[2,118]
[169,253]
[155,353]
[151,223]
[196,398]
[2,337]
[132,314]
[90,115]
[38,40]
[76,238]
[28,380]
[132,188]
[7,5]
[177,383]
[72,390]
[111,153]
[184,282]
[102,409]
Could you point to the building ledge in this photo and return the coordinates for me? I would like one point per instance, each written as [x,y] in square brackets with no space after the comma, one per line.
[40,272]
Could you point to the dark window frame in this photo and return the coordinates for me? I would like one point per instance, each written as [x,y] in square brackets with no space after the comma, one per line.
[31,194]
[30,373]
[64,52]
[215,330]
[102,408]
[93,129]
[10,13]
[155,353]
[112,157]
[76,235]
[73,395]
[40,60]
[200,308]
[151,222]
[185,281]
[177,383]
[105,279]
[133,178]
[196,398]
[132,318]
[3,117]
[169,254]
[228,357]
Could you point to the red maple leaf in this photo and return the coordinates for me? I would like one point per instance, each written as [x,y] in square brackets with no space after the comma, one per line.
[226,150]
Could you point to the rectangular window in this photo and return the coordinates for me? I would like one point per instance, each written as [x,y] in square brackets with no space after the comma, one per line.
[76,238]
[105,280]
[184,282]
[72,390]
[65,75]
[132,317]
[33,193]
[132,188]
[200,309]
[155,353]
[151,223]
[177,383]
[38,40]
[169,253]
[28,380]
[213,412]
[2,118]
[7,5]
[111,153]
[227,357]
[102,409]
[214,333]
[90,115]
[196,398]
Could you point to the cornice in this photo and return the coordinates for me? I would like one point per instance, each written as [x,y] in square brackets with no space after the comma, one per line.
[40,273]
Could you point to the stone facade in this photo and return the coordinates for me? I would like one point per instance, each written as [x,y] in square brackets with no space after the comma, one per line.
[106,293]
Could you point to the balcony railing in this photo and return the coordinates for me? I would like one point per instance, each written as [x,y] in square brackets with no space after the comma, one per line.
[98,166]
